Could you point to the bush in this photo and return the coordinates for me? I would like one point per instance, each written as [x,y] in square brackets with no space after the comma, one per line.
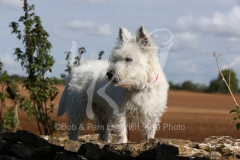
[173,86]
[8,90]
[17,78]
[218,86]
[188,85]
[35,59]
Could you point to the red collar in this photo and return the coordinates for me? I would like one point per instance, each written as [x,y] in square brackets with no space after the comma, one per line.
[150,84]
[156,78]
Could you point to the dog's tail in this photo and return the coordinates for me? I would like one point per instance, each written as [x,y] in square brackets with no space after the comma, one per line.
[63,102]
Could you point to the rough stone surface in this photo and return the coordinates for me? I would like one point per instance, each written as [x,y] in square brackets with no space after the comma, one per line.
[24,145]
[224,146]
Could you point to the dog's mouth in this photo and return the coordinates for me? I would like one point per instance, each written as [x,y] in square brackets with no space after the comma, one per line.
[115,81]
[111,76]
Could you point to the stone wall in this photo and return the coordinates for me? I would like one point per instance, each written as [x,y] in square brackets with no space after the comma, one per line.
[25,145]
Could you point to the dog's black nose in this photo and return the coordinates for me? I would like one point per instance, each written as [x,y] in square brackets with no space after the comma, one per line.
[110,74]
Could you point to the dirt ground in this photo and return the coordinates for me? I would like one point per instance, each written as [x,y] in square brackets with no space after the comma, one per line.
[190,115]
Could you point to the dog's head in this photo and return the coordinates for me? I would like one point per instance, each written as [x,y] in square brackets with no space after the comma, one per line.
[133,62]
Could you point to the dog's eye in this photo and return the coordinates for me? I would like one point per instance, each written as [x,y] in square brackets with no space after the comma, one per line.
[128,59]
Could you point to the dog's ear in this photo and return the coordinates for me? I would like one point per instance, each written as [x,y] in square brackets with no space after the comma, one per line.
[124,35]
[142,37]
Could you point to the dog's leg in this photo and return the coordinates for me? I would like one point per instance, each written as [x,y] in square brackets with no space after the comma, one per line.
[76,119]
[150,129]
[73,125]
[104,133]
[120,129]
[150,133]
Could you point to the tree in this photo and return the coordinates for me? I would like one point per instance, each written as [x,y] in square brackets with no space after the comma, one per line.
[10,117]
[78,57]
[69,65]
[17,78]
[2,96]
[173,86]
[36,61]
[237,110]
[9,90]
[218,85]
[231,78]
[76,62]
[100,55]
[188,85]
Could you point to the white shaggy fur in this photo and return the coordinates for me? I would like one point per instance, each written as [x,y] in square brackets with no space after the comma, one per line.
[138,88]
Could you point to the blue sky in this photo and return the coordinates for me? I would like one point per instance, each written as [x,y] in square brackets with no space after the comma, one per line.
[199,28]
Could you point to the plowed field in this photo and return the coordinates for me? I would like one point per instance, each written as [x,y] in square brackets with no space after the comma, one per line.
[190,115]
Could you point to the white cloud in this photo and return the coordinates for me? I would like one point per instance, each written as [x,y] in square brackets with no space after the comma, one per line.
[76,24]
[232,64]
[56,29]
[97,1]
[185,40]
[11,3]
[91,2]
[226,25]
[105,29]
[234,39]
[6,60]
[9,63]
[90,27]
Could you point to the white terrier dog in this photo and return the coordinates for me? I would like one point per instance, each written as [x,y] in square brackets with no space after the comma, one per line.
[130,88]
